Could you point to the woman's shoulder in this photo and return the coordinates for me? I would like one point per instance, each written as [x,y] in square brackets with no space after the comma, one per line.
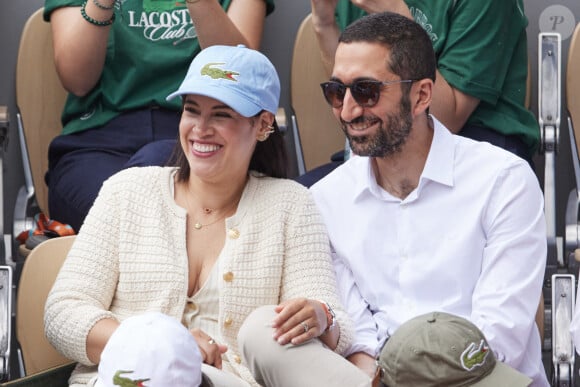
[138,179]
[140,174]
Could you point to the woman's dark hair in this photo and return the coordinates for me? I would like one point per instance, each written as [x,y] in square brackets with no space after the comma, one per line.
[269,156]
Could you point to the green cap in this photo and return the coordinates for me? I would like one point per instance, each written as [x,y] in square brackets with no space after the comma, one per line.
[440,349]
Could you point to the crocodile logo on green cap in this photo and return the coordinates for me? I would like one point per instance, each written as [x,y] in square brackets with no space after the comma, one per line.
[216,73]
[474,355]
[119,380]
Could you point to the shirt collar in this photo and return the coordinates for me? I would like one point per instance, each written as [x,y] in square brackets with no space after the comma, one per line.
[439,164]
[438,167]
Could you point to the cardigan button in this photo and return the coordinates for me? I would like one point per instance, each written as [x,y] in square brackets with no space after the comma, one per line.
[233,233]
[229,276]
[237,359]
[228,321]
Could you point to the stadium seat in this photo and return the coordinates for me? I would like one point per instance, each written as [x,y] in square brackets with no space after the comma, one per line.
[572,235]
[38,275]
[317,133]
[560,265]
[53,377]
[40,99]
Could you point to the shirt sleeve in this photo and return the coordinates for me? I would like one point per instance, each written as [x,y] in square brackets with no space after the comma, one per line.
[507,294]
[480,41]
[365,331]
[51,5]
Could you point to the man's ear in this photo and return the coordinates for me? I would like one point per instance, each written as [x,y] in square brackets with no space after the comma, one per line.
[421,95]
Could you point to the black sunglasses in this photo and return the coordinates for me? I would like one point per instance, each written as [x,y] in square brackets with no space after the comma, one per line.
[365,92]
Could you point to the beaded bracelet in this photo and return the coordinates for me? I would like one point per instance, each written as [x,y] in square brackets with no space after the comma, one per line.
[101,6]
[94,21]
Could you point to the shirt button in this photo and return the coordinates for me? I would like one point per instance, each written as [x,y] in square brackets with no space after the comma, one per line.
[228,321]
[192,306]
[233,233]
[229,276]
[237,359]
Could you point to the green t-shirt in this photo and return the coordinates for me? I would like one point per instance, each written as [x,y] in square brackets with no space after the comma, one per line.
[151,45]
[481,49]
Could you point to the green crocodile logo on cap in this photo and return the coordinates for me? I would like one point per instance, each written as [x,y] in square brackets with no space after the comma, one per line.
[119,380]
[215,73]
[474,355]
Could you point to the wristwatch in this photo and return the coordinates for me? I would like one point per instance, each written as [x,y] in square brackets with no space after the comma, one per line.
[330,316]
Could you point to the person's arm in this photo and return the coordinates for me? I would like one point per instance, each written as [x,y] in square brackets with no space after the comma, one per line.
[243,23]
[79,46]
[326,30]
[309,278]
[506,295]
[365,328]
[365,362]
[77,320]
[475,58]
[98,337]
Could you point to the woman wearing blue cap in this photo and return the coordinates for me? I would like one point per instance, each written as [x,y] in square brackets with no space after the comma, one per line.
[219,242]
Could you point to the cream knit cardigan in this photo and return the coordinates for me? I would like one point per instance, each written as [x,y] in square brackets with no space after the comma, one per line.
[130,257]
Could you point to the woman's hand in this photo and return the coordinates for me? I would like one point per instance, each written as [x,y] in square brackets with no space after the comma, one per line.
[298,321]
[211,351]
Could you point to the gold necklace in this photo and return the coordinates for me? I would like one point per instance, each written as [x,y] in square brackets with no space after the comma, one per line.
[199,226]
[207,211]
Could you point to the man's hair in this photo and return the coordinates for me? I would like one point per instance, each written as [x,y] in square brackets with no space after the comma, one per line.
[412,55]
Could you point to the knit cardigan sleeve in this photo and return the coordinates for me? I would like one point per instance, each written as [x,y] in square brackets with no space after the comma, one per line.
[308,270]
[129,257]
[85,285]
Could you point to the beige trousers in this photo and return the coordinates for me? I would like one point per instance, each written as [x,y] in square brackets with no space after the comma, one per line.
[308,365]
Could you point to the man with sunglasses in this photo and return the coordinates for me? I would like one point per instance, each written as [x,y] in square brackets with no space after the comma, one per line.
[481,48]
[421,219]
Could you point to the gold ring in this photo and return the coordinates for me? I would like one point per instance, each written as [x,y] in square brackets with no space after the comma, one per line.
[305,326]
[211,341]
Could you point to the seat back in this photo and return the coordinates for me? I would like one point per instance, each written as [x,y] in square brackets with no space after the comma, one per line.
[319,131]
[40,99]
[38,275]
[573,84]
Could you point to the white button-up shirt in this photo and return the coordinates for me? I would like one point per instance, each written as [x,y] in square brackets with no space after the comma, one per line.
[469,240]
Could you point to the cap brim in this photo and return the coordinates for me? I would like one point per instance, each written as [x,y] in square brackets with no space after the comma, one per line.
[240,104]
[504,376]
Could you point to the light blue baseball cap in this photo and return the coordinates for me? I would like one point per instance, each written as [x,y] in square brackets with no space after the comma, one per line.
[242,78]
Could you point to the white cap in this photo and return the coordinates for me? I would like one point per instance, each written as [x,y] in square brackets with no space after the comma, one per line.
[150,350]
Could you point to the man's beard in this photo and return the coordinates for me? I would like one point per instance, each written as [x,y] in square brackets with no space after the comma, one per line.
[388,139]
